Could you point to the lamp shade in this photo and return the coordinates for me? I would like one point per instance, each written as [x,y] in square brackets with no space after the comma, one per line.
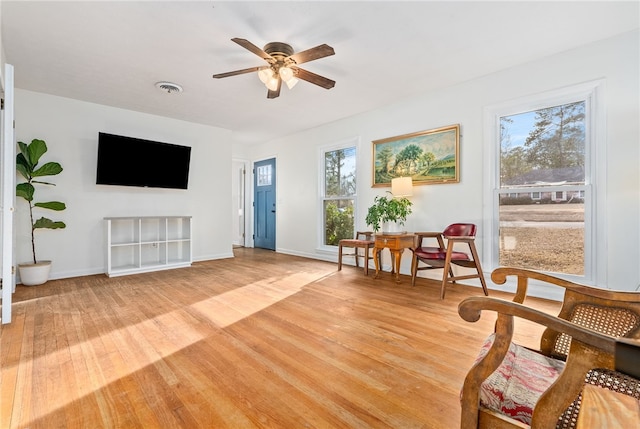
[265,74]
[402,187]
[291,82]
[272,83]
[286,73]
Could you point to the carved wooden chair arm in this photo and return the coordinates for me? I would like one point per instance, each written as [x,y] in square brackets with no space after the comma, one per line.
[499,276]
[471,308]
[589,349]
[428,234]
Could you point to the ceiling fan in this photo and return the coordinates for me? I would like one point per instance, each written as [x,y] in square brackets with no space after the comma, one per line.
[283,65]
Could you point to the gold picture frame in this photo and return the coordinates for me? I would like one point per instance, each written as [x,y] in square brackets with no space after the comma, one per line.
[428,157]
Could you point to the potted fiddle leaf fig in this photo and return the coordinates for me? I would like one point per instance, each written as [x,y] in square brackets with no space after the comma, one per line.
[36,272]
[387,211]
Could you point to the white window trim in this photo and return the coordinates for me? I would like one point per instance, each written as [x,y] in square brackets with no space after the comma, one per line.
[342,144]
[595,169]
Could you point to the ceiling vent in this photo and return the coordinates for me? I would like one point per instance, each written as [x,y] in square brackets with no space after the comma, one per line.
[168,87]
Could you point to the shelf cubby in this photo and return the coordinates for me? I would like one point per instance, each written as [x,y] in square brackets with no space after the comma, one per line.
[147,243]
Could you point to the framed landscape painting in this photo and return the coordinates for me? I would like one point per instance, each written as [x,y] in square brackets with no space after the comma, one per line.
[428,157]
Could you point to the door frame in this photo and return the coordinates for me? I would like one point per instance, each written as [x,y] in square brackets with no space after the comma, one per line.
[7,205]
[245,186]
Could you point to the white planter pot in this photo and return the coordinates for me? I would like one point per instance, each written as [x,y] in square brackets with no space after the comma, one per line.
[392,228]
[34,274]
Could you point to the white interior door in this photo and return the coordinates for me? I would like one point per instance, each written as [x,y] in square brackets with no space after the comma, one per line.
[7,194]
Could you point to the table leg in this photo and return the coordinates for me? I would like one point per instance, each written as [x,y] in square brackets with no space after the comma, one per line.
[397,255]
[376,260]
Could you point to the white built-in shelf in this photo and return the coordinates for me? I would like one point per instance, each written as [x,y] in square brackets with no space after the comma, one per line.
[147,243]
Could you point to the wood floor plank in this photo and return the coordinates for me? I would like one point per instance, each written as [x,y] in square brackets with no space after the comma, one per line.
[261,340]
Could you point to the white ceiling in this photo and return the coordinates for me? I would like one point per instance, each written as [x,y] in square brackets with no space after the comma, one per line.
[113,53]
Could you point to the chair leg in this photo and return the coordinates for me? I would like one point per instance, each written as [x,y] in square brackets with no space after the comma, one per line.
[414,269]
[474,253]
[356,253]
[339,257]
[447,272]
[366,260]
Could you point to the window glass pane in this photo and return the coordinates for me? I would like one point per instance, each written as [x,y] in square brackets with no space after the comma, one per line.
[340,172]
[264,175]
[338,201]
[544,237]
[338,220]
[543,147]
[541,206]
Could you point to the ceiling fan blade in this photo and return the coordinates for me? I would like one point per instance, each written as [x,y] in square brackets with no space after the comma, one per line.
[276,93]
[253,48]
[237,72]
[313,78]
[313,54]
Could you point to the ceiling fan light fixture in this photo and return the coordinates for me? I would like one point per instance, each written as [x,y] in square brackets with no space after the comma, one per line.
[265,74]
[286,73]
[272,83]
[292,82]
[283,65]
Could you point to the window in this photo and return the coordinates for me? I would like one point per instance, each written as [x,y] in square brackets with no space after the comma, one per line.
[338,193]
[543,153]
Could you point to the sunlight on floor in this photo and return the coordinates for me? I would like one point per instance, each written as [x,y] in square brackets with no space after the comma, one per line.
[150,341]
[235,305]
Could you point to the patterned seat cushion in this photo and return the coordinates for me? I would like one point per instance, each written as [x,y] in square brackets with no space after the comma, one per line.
[514,388]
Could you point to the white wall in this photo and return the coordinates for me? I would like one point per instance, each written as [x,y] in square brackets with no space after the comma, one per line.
[70,128]
[615,60]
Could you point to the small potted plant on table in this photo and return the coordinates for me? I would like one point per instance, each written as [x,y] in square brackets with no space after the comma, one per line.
[37,272]
[388,213]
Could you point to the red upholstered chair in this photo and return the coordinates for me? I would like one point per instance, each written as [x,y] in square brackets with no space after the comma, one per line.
[445,256]
[363,240]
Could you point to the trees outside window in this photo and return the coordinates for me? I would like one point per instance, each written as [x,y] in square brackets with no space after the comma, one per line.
[339,194]
[542,161]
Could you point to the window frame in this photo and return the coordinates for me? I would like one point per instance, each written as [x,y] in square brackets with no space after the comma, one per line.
[353,142]
[594,189]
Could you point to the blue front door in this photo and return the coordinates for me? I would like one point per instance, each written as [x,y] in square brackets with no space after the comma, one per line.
[264,204]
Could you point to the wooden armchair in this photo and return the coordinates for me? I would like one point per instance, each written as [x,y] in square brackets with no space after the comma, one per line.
[444,255]
[512,386]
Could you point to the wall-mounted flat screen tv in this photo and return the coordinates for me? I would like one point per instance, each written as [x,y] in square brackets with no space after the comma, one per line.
[129,161]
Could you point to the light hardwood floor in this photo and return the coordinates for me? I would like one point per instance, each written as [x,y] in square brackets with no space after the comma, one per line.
[263,340]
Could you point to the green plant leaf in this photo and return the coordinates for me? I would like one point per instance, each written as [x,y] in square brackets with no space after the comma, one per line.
[52,205]
[24,154]
[48,169]
[388,209]
[43,222]
[22,167]
[35,150]
[25,190]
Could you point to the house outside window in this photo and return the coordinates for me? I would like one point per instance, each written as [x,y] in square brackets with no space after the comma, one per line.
[544,152]
[559,196]
[338,193]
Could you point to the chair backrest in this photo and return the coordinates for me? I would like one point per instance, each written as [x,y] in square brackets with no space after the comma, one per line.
[364,235]
[610,314]
[460,230]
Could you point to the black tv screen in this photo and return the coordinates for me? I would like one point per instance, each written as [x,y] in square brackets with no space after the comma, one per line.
[129,161]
